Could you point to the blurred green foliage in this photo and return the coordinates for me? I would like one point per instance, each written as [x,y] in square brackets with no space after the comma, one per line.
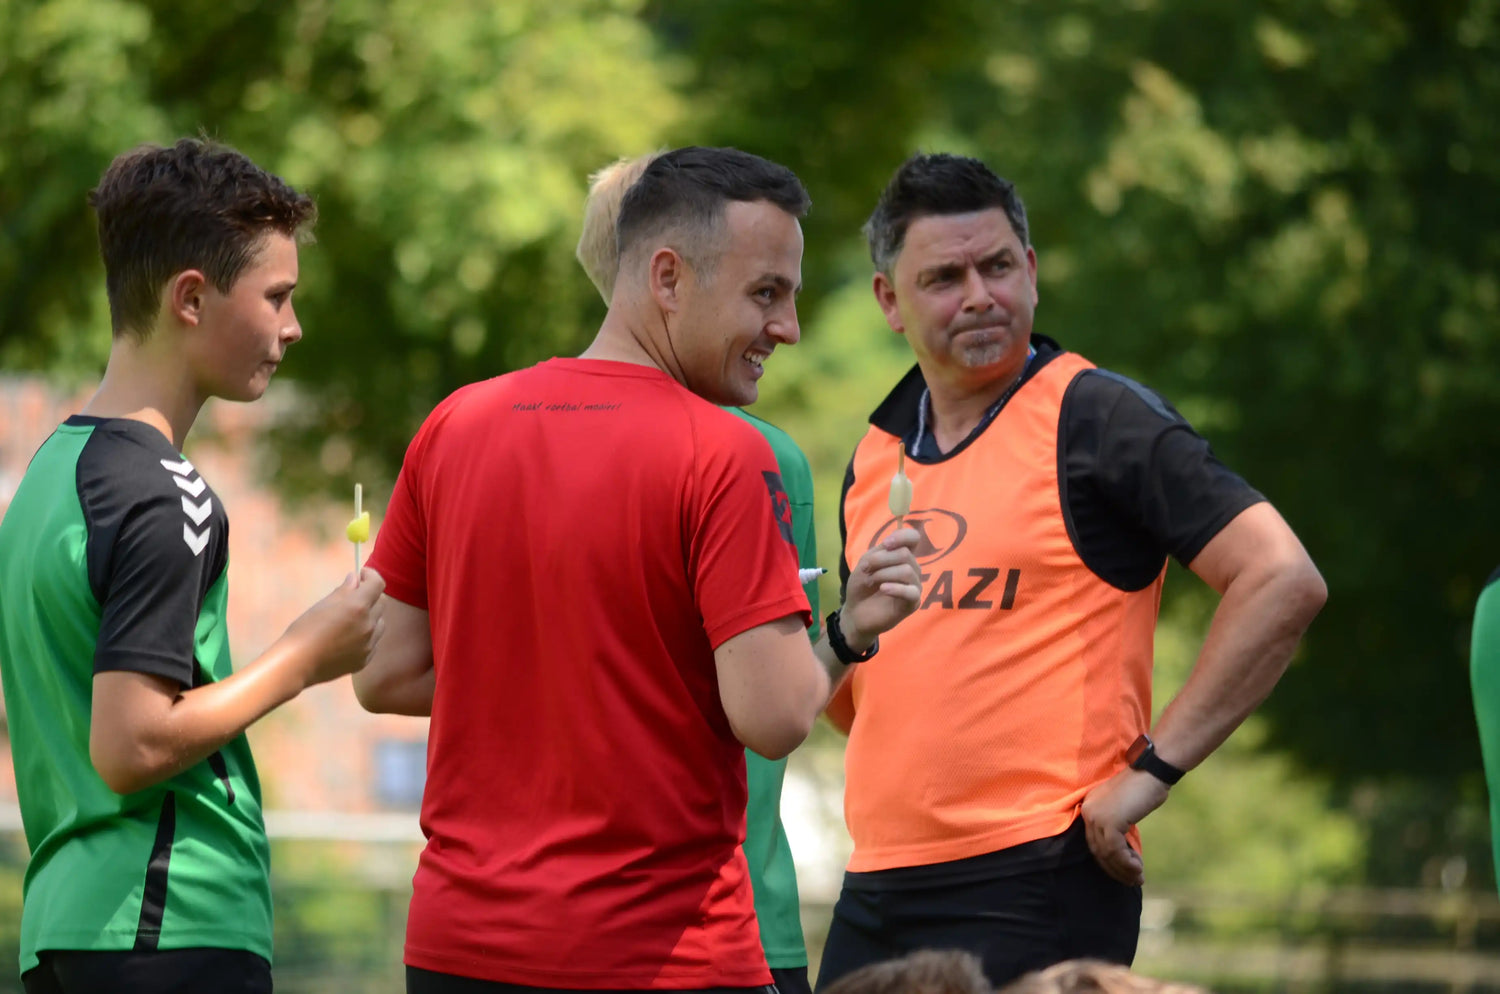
[448,147]
[1246,821]
[1284,215]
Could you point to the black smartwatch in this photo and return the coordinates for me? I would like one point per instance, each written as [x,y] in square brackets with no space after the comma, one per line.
[840,648]
[1142,756]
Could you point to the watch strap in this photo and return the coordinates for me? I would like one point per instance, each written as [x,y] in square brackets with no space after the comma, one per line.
[1149,762]
[841,649]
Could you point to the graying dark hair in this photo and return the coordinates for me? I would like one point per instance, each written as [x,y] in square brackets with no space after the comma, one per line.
[928,185]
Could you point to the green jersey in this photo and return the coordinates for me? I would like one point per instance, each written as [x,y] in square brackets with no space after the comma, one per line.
[773,876]
[113,556]
[1484,675]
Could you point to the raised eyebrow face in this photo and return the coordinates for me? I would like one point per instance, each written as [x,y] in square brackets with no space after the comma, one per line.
[950,269]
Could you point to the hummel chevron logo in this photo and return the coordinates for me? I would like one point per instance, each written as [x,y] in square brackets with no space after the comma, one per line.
[195,540]
[198,512]
[194,488]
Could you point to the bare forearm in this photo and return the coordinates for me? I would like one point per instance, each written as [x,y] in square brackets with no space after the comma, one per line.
[401,693]
[835,670]
[1254,632]
[782,724]
[399,678]
[883,587]
[770,690]
[856,639]
[191,726]
[801,700]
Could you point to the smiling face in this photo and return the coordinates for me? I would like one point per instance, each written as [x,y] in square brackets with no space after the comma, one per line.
[241,336]
[963,292]
[730,318]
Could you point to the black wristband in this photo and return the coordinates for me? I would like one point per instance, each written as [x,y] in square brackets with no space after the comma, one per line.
[1142,756]
[840,648]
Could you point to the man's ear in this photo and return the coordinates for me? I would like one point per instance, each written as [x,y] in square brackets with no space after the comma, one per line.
[885,296]
[1031,273]
[667,274]
[184,296]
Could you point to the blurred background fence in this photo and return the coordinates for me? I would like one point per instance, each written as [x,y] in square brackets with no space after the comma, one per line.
[341,884]
[341,887]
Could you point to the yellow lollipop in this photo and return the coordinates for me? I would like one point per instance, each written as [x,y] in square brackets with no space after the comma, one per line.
[358,530]
[900,500]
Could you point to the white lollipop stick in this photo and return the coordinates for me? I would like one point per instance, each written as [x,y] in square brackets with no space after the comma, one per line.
[358,510]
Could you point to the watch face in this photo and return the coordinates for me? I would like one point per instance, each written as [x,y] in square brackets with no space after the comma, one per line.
[1137,749]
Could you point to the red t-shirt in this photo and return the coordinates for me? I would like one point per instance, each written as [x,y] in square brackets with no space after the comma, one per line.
[584,534]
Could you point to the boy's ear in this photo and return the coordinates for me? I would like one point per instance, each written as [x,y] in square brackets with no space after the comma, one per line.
[184,296]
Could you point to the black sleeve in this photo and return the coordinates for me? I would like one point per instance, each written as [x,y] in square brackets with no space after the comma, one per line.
[844,532]
[157,541]
[1138,483]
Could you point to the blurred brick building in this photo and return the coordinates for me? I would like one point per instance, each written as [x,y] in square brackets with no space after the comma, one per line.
[321,752]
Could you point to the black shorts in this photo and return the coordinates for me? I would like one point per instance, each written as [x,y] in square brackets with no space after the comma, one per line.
[166,971]
[419,981]
[1014,924]
[791,980]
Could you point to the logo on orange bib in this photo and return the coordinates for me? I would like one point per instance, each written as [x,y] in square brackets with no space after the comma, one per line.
[941,532]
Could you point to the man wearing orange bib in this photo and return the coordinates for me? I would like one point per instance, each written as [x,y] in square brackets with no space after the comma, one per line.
[1001,753]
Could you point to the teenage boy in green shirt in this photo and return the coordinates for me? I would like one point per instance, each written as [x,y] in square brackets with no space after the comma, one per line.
[149,863]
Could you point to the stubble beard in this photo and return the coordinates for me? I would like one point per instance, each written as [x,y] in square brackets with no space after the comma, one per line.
[981,355]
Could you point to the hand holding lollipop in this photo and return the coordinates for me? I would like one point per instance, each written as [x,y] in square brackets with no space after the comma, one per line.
[358,530]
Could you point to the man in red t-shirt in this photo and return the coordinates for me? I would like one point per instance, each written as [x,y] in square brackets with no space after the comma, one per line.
[593,591]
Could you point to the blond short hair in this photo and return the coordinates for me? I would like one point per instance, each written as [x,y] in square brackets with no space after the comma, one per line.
[598,251]
[1088,976]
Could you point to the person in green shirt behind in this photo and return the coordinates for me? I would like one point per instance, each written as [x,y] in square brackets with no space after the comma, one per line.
[149,869]
[1484,676]
[773,877]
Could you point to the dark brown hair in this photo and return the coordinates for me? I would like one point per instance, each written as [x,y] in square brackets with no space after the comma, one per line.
[683,193]
[195,205]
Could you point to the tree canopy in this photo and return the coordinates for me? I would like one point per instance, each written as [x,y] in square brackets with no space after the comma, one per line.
[1284,216]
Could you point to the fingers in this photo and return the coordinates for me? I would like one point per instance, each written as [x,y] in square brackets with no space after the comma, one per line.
[371,585]
[895,574]
[1122,863]
[908,593]
[901,538]
[1113,853]
[880,558]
